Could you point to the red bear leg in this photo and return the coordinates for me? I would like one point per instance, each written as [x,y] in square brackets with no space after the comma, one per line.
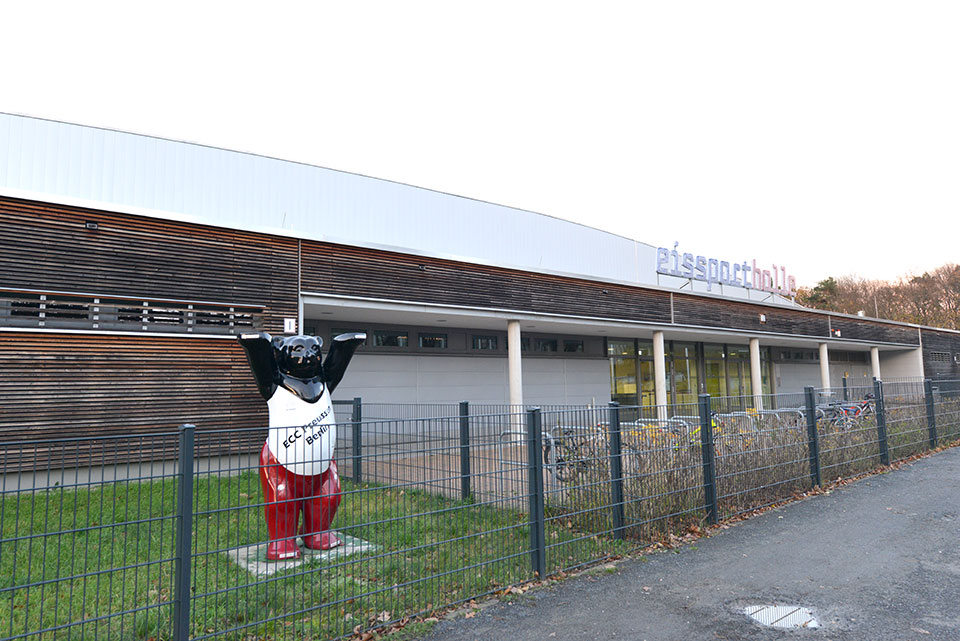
[282,509]
[319,510]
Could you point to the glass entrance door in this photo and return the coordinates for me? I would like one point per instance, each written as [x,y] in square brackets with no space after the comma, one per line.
[623,376]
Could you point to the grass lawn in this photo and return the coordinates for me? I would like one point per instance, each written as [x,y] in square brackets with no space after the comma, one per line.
[115,556]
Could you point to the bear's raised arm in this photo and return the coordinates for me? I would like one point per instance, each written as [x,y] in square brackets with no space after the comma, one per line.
[341,351]
[260,354]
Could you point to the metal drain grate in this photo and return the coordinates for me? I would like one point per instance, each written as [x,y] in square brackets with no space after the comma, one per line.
[782,616]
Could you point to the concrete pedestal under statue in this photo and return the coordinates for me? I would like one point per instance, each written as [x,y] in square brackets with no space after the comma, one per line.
[297,467]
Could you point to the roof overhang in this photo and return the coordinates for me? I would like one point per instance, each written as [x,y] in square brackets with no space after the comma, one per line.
[348,309]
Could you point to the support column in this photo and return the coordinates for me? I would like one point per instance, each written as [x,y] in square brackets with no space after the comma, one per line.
[875,363]
[756,381]
[514,373]
[824,366]
[660,375]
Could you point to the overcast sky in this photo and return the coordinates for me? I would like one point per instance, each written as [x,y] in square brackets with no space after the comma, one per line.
[823,136]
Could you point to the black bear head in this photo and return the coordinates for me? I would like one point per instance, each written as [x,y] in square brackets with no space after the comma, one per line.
[299,356]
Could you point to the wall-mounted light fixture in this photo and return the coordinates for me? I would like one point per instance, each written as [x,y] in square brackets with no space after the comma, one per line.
[92,226]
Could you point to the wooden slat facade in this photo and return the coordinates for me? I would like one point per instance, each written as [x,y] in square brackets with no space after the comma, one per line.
[935,345]
[705,312]
[84,384]
[80,383]
[48,247]
[355,271]
[65,385]
[352,271]
[874,331]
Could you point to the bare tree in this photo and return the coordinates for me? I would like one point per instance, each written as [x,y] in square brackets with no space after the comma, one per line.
[931,298]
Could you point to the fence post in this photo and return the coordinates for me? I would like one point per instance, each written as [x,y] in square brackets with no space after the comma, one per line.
[812,437]
[538,539]
[616,470]
[709,466]
[846,396]
[356,425]
[184,542]
[464,450]
[931,412]
[881,422]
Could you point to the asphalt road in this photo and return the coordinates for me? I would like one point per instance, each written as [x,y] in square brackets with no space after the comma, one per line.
[876,560]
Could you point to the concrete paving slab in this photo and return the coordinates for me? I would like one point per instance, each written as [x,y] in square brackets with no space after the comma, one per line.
[253,558]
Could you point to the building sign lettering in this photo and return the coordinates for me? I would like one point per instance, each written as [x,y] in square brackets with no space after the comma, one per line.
[712,271]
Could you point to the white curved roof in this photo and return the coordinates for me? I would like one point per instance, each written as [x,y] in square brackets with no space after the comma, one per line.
[118,171]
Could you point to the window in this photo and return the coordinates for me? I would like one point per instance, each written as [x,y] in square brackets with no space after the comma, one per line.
[391,338]
[570,345]
[433,341]
[940,357]
[683,367]
[620,347]
[623,377]
[485,342]
[545,345]
[715,370]
[645,349]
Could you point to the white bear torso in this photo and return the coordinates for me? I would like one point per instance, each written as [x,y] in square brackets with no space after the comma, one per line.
[302,435]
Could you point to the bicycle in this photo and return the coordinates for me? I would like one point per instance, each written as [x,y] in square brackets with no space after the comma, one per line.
[574,451]
[567,454]
[734,432]
[844,415]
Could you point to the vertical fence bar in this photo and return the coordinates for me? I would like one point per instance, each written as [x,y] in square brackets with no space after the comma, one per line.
[812,437]
[538,539]
[464,450]
[709,465]
[184,540]
[881,422]
[616,470]
[846,396]
[356,428]
[931,412]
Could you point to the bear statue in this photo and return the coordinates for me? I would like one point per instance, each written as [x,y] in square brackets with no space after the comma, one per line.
[297,469]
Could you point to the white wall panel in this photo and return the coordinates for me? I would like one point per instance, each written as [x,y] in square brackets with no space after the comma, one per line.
[903,364]
[857,375]
[406,378]
[793,377]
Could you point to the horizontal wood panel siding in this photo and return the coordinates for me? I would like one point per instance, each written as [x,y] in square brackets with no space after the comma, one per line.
[866,330]
[66,385]
[709,312]
[942,343]
[352,271]
[47,247]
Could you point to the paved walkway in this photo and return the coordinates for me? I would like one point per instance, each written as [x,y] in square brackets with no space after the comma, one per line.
[877,560]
